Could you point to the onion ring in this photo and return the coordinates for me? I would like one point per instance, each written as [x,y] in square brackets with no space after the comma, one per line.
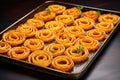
[57,9]
[77,53]
[72,11]
[109,18]
[34,44]
[19,53]
[55,49]
[4,47]
[40,58]
[14,37]
[46,35]
[63,63]
[85,23]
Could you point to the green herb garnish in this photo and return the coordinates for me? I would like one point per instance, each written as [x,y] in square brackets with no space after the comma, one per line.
[80,7]
[98,13]
[80,48]
[48,11]
[52,50]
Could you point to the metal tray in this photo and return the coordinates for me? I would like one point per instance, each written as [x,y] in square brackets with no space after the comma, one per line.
[79,69]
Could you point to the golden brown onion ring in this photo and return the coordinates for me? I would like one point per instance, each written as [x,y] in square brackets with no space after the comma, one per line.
[77,53]
[63,63]
[27,29]
[90,43]
[34,44]
[72,11]
[105,26]
[55,49]
[57,9]
[75,31]
[66,19]
[4,47]
[109,18]
[45,16]
[97,34]
[35,23]
[14,37]
[54,25]
[91,14]
[19,53]
[40,58]
[46,35]
[85,23]
[65,39]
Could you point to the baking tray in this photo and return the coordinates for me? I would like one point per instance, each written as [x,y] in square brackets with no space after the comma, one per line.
[79,69]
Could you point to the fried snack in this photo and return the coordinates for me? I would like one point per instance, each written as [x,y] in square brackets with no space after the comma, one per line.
[63,63]
[45,16]
[46,35]
[27,29]
[109,18]
[4,47]
[65,39]
[97,34]
[19,53]
[34,44]
[91,14]
[54,25]
[72,11]
[40,58]
[35,23]
[57,9]
[105,26]
[66,19]
[75,31]
[13,37]
[78,53]
[90,43]
[85,23]
[55,49]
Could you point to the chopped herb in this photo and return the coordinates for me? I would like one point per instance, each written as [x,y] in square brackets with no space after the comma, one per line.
[80,7]
[48,11]
[98,13]
[52,50]
[80,48]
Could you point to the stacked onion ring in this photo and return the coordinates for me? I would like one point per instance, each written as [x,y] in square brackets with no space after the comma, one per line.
[45,16]
[75,31]
[109,18]
[57,9]
[46,35]
[35,22]
[90,43]
[14,37]
[34,44]
[65,39]
[54,25]
[19,53]
[66,19]
[55,49]
[40,58]
[72,11]
[27,29]
[91,14]
[97,34]
[4,47]
[85,23]
[105,26]
[77,53]
[63,63]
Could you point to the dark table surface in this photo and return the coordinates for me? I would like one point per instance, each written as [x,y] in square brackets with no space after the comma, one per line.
[106,66]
